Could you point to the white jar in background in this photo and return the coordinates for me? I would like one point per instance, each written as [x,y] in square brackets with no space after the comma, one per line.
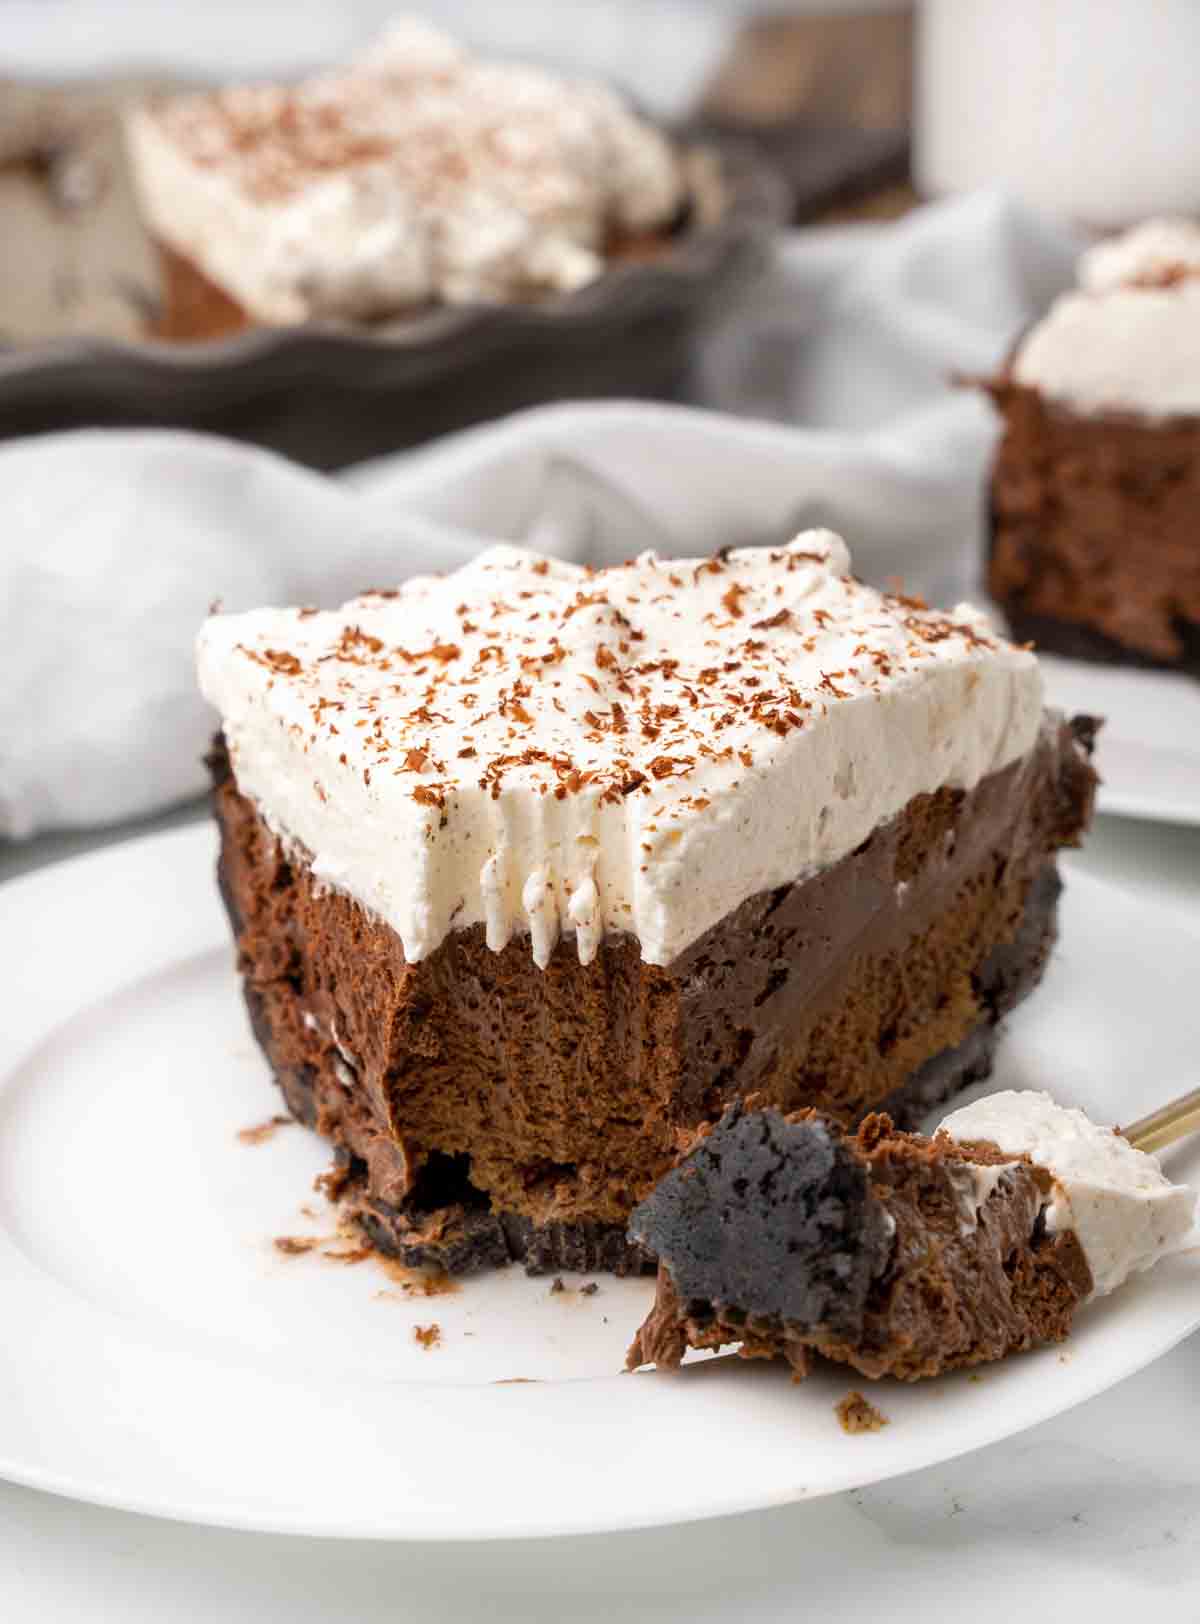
[1090,108]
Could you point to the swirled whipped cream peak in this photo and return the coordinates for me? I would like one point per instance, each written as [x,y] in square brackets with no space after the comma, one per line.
[544,749]
[1128,338]
[416,173]
[1124,1211]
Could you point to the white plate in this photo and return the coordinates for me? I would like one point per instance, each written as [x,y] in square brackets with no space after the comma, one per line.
[1149,750]
[158,1353]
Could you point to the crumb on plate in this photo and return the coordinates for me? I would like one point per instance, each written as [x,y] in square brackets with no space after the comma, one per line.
[857,1414]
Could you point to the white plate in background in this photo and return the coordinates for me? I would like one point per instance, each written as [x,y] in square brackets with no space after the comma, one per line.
[1148,754]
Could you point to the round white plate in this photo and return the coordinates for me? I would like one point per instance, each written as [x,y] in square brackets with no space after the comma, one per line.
[161,1354]
[1149,750]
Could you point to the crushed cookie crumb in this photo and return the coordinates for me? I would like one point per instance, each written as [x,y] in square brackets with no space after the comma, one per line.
[857,1414]
[427,1336]
[262,1131]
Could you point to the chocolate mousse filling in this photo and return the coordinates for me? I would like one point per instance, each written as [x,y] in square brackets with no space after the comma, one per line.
[1093,549]
[483,1109]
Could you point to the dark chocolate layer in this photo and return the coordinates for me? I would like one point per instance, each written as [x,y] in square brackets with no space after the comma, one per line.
[779,998]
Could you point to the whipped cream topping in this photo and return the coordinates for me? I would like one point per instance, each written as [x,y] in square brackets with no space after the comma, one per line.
[1123,1209]
[1157,252]
[416,173]
[1129,338]
[541,748]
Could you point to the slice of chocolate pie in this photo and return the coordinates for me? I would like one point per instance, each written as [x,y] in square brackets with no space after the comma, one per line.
[898,1254]
[533,869]
[417,174]
[1096,483]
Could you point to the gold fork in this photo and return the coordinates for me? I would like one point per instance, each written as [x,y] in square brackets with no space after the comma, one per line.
[1168,1123]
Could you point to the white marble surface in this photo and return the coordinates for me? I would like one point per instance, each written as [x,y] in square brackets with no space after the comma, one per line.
[1095,1514]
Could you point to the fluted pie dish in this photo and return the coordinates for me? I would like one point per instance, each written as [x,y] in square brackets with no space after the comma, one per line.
[414,242]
